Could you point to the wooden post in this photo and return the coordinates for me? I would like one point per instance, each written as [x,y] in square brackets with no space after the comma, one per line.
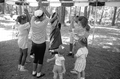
[114,16]
[95,23]
[79,11]
[85,11]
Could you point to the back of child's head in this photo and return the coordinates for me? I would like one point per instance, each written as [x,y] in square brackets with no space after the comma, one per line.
[61,49]
[83,41]
[22,19]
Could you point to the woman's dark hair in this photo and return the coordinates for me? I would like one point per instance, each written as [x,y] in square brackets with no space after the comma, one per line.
[84,22]
[22,18]
[52,17]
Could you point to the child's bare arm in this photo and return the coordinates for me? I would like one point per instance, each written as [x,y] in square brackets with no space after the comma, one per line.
[48,60]
[63,65]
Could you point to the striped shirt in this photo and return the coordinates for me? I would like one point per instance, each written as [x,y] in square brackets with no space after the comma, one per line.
[38,29]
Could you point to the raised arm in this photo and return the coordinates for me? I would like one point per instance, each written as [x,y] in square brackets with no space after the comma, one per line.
[44,10]
[28,15]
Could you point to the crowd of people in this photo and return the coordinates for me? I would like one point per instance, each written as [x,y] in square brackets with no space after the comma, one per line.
[37,24]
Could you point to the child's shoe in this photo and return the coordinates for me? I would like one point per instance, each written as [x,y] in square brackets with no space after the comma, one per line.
[32,56]
[19,66]
[82,78]
[40,75]
[70,54]
[34,73]
[22,68]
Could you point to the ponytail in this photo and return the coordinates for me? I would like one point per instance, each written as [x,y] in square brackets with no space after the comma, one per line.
[87,28]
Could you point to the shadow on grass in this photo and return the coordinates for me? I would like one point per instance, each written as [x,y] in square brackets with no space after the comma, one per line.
[101,64]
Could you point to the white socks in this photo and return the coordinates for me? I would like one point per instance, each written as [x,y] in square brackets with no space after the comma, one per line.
[38,74]
[70,52]
[34,72]
[22,68]
[19,66]
[82,78]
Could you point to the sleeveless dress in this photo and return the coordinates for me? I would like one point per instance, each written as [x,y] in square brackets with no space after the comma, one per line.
[23,35]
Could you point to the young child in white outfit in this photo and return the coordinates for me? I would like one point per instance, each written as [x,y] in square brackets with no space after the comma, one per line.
[80,62]
[59,67]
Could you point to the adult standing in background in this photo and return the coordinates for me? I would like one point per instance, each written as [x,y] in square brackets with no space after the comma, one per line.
[55,35]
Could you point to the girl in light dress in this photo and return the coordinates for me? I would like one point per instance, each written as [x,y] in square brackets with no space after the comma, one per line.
[23,29]
[81,35]
[80,62]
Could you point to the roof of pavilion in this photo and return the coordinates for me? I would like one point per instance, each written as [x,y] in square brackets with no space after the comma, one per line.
[69,2]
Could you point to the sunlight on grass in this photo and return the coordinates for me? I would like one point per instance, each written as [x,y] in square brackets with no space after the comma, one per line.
[7,24]
[5,35]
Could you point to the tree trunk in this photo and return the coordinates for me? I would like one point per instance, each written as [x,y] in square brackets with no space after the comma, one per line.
[101,15]
[79,11]
[70,14]
[114,16]
[75,10]
[118,15]
[20,10]
[88,12]
[62,14]
[16,10]
[2,7]
[85,11]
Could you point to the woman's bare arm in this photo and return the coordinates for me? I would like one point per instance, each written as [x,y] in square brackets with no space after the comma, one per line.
[44,10]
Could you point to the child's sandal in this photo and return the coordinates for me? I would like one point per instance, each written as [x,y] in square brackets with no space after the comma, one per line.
[40,75]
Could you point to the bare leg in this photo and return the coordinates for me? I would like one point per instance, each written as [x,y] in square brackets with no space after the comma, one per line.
[34,66]
[83,74]
[34,69]
[55,75]
[61,76]
[20,58]
[23,60]
[39,68]
[24,56]
[79,75]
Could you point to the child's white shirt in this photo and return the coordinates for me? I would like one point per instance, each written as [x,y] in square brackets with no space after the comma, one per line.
[58,60]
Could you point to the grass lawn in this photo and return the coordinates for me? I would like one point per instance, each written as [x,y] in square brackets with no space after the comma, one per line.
[103,61]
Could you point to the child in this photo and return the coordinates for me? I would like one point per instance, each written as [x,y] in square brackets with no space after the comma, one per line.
[71,37]
[59,67]
[23,29]
[80,62]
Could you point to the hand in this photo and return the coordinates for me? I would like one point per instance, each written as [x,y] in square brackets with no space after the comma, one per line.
[48,60]
[40,2]
[64,71]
